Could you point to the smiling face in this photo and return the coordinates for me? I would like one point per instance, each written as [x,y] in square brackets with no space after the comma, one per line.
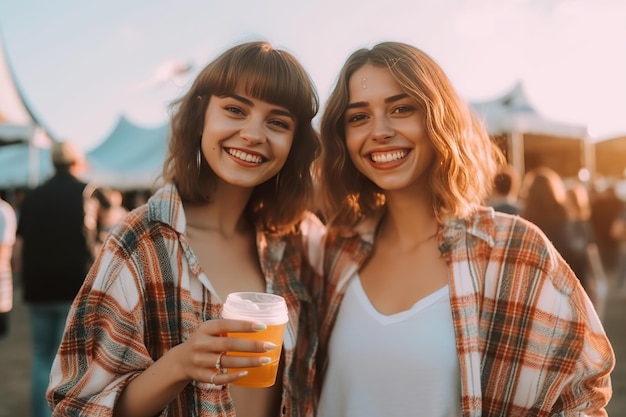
[385,132]
[246,141]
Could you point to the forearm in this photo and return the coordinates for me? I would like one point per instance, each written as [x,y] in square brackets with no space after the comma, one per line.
[153,389]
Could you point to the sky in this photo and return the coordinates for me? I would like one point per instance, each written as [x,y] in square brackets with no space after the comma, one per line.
[81,65]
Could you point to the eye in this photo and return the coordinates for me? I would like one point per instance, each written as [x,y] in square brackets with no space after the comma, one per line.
[280,123]
[403,109]
[234,109]
[357,117]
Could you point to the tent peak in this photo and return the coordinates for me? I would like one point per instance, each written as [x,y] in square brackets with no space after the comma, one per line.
[514,100]
[14,108]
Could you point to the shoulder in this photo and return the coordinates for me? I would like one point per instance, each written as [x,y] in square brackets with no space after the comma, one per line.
[89,190]
[134,245]
[6,211]
[8,223]
[161,217]
[496,237]
[344,247]
[138,233]
[507,231]
[501,228]
[521,248]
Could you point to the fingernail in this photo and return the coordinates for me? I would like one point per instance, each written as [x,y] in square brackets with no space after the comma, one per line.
[259,327]
[269,346]
[243,373]
[265,360]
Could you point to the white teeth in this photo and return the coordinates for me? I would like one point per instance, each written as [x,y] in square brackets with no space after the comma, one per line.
[388,157]
[245,156]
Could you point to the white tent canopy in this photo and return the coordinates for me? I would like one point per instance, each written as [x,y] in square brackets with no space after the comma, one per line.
[24,143]
[131,157]
[17,122]
[21,165]
[513,112]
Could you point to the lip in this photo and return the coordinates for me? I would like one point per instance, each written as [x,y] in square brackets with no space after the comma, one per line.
[245,157]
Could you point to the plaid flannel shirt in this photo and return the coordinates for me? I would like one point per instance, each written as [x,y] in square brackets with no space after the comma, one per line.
[144,295]
[529,341]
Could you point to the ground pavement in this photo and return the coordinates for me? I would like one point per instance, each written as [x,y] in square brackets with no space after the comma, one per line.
[15,351]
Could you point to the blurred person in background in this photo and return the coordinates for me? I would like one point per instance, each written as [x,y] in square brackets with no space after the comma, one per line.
[544,197]
[565,222]
[55,246]
[110,212]
[135,198]
[618,233]
[592,275]
[504,194]
[605,207]
[8,225]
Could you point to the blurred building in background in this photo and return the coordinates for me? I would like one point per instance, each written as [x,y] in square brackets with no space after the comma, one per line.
[529,139]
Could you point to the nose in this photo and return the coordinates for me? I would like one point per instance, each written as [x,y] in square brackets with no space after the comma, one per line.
[381,130]
[253,131]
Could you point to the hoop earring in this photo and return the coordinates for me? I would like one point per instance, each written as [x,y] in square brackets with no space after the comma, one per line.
[198,161]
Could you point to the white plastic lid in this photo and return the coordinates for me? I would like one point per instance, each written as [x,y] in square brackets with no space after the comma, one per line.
[256,306]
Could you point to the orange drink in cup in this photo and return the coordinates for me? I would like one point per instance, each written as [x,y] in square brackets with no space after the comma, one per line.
[263,308]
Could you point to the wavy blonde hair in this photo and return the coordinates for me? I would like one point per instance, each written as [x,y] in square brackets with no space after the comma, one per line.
[466,159]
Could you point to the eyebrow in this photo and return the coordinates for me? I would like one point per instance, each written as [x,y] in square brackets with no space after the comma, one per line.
[387,100]
[249,102]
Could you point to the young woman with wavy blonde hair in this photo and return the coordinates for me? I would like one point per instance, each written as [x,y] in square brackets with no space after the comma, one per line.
[435,304]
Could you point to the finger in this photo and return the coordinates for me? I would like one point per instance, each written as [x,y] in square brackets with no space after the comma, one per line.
[224,326]
[218,363]
[234,361]
[223,379]
[233,343]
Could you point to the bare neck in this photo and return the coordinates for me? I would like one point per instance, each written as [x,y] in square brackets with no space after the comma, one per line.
[224,214]
[409,220]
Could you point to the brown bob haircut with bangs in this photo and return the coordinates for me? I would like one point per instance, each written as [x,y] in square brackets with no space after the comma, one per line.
[466,159]
[266,74]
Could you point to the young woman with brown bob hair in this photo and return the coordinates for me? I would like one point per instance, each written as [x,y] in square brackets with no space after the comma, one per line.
[145,336]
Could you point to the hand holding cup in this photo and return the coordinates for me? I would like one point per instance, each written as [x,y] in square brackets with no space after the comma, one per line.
[269,310]
[204,357]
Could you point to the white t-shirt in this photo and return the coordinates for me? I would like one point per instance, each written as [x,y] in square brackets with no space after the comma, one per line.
[404,364]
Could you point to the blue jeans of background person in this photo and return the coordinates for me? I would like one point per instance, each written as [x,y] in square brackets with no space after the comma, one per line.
[47,325]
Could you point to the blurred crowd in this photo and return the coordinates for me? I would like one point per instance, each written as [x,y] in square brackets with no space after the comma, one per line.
[585,221]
